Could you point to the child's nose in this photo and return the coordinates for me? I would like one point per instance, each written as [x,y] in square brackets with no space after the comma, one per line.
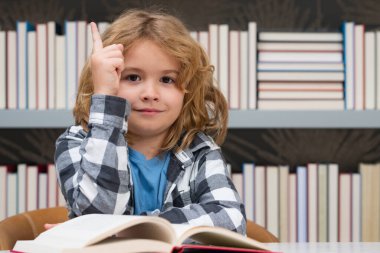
[150,91]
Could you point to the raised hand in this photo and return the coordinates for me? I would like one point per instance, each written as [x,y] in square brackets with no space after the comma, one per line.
[107,63]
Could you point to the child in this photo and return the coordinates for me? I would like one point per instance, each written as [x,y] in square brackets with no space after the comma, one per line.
[147,115]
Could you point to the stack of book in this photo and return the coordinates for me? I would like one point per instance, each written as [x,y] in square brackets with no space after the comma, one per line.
[362,62]
[301,71]
[40,66]
[317,203]
[233,55]
[28,187]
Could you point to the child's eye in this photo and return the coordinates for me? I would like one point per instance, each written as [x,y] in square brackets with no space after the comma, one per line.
[133,78]
[167,79]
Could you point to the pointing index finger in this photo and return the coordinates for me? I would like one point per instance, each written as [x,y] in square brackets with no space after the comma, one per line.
[96,39]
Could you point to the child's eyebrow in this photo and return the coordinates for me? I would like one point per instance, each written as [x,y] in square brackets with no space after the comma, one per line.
[170,71]
[165,71]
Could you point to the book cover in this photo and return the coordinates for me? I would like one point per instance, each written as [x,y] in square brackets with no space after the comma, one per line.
[302,221]
[21,187]
[349,53]
[32,70]
[359,77]
[3,69]
[301,36]
[234,68]
[11,67]
[22,28]
[284,203]
[332,181]
[252,63]
[223,57]
[243,70]
[249,189]
[42,66]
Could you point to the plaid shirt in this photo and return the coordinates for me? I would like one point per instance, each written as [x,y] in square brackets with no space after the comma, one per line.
[94,175]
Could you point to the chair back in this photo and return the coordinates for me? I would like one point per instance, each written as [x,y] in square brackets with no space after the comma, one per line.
[259,233]
[28,225]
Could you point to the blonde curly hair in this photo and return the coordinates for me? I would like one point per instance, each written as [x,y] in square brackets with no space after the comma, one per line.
[204,107]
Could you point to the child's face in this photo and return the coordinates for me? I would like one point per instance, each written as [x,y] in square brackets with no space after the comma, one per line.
[148,82]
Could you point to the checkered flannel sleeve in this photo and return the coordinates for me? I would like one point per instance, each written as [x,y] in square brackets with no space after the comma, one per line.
[215,201]
[92,167]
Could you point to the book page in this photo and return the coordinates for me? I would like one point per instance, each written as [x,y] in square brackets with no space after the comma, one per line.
[88,229]
[216,236]
[114,245]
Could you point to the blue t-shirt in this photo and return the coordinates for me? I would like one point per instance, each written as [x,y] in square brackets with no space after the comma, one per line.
[149,180]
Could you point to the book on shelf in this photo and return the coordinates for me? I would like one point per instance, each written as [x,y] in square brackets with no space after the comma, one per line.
[283,184]
[71,62]
[243,71]
[203,38]
[248,175]
[301,76]
[234,75]
[31,187]
[60,73]
[223,58]
[3,69]
[52,28]
[252,65]
[322,196]
[282,94]
[11,190]
[344,207]
[302,222]
[21,187]
[312,201]
[300,86]
[300,36]
[332,201]
[300,57]
[3,192]
[304,66]
[300,46]
[359,82]
[272,201]
[213,48]
[32,70]
[11,74]
[22,28]
[349,51]
[356,207]
[259,195]
[301,104]
[370,70]
[292,208]
[127,233]
[42,66]
[370,197]
[377,68]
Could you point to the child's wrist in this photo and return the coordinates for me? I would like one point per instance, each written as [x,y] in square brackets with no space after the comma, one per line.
[109,110]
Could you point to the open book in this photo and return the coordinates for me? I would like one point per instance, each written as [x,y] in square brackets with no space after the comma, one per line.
[95,233]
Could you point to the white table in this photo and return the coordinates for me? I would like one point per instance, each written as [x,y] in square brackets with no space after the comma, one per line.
[354,247]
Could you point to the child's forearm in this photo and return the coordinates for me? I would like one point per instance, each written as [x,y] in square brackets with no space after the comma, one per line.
[92,167]
[223,214]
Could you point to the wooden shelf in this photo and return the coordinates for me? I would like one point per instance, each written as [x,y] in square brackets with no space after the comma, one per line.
[238,119]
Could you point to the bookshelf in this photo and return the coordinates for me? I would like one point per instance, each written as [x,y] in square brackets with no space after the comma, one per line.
[254,135]
[254,119]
